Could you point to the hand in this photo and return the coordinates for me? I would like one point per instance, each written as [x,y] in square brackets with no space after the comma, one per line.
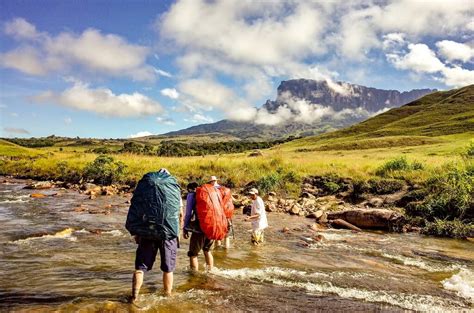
[185,235]
[137,239]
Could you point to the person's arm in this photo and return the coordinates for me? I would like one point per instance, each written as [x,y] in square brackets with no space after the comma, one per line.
[256,216]
[190,202]
[181,216]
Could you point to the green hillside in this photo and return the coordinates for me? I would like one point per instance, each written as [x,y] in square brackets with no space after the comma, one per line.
[420,122]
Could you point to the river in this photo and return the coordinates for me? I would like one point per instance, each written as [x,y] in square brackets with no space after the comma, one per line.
[66,253]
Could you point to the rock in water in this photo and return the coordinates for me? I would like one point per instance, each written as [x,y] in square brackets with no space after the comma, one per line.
[344,224]
[40,185]
[367,218]
[37,195]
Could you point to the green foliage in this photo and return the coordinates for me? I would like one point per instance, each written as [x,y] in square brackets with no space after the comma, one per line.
[398,165]
[280,180]
[332,187]
[450,195]
[100,150]
[469,153]
[385,186]
[32,142]
[454,229]
[105,171]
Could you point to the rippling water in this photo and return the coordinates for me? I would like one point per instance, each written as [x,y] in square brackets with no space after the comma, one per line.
[66,253]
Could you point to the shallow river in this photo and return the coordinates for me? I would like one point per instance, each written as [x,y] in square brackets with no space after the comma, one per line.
[57,256]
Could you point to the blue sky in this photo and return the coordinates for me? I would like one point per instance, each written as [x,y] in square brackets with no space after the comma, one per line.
[113,69]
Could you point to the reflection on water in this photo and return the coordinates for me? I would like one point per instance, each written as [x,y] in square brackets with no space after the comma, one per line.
[57,256]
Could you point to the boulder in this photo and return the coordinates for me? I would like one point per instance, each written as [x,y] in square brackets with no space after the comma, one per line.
[367,218]
[295,209]
[375,202]
[40,185]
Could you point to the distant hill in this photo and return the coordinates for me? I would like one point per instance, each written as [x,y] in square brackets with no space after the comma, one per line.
[358,103]
[438,114]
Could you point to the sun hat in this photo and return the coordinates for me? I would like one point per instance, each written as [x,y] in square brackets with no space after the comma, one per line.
[213,178]
[253,191]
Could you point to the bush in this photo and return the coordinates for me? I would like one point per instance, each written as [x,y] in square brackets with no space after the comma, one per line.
[454,229]
[105,171]
[449,195]
[385,186]
[331,187]
[469,153]
[399,164]
[284,181]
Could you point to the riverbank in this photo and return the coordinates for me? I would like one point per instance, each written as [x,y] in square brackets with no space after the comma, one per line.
[430,185]
[78,247]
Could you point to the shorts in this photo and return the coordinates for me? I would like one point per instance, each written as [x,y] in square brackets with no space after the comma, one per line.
[258,236]
[199,242]
[147,250]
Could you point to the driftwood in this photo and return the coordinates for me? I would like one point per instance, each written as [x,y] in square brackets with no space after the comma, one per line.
[344,224]
[367,218]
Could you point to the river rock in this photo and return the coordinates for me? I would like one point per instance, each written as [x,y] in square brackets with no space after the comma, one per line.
[285,230]
[375,202]
[344,224]
[40,185]
[367,218]
[37,195]
[295,209]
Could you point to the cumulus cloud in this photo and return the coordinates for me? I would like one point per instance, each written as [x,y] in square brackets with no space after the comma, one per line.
[453,51]
[42,53]
[16,131]
[102,101]
[140,134]
[420,59]
[170,93]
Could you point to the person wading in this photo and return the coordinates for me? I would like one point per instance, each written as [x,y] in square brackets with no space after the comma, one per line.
[258,217]
[198,240]
[215,182]
[154,221]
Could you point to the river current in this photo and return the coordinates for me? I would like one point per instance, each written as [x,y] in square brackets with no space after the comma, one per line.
[67,253]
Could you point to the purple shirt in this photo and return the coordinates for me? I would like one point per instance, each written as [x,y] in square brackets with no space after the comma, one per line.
[190,207]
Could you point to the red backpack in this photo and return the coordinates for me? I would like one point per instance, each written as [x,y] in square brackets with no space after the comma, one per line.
[210,212]
[226,203]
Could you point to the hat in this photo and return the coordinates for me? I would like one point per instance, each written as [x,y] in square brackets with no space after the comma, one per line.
[213,178]
[253,191]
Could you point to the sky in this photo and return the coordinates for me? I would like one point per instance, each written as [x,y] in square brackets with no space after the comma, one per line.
[121,69]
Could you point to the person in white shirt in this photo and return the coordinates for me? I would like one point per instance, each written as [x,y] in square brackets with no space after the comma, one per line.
[258,217]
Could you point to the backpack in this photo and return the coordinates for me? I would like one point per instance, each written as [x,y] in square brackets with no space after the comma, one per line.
[226,201]
[155,207]
[210,212]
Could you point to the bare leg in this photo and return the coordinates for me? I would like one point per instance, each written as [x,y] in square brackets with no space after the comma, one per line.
[193,263]
[137,282]
[227,243]
[167,282]
[209,260]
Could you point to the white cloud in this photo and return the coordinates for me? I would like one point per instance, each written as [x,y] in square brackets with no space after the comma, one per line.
[170,93]
[21,29]
[162,73]
[42,53]
[165,120]
[67,120]
[140,134]
[102,101]
[453,51]
[200,118]
[420,58]
[457,76]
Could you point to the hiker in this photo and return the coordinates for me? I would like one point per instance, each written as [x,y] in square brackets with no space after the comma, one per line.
[258,217]
[214,181]
[154,220]
[198,240]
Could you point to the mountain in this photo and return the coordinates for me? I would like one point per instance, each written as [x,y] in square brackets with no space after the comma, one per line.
[438,114]
[311,107]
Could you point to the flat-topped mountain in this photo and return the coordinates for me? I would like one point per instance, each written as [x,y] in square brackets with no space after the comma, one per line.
[335,105]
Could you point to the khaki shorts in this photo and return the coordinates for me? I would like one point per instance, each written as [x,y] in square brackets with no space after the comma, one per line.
[258,236]
[197,243]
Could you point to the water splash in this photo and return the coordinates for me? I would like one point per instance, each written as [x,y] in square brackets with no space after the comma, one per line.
[299,279]
[462,283]
[63,234]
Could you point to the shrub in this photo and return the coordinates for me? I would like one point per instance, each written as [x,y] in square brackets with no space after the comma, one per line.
[469,153]
[105,171]
[454,229]
[385,186]
[399,164]
[281,180]
[332,187]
